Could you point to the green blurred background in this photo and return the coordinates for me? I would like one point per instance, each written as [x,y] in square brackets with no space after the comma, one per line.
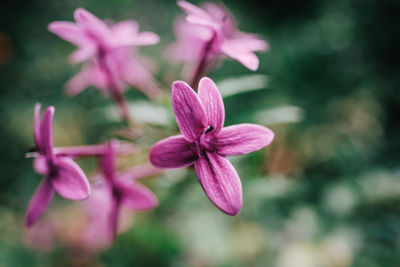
[325,193]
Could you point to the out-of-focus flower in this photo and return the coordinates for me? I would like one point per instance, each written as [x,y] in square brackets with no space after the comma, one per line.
[110,53]
[205,143]
[61,173]
[56,164]
[113,194]
[211,32]
[98,233]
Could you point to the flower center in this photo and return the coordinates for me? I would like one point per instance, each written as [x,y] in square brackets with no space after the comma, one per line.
[204,144]
[53,170]
[209,129]
[116,193]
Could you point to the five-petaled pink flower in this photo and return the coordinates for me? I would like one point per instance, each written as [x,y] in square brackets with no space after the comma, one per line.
[110,52]
[61,173]
[205,143]
[211,32]
[117,190]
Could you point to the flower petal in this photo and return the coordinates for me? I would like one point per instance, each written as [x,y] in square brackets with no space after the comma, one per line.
[195,14]
[94,25]
[79,82]
[247,42]
[91,74]
[193,10]
[108,161]
[190,42]
[111,75]
[98,76]
[87,19]
[137,196]
[46,134]
[147,38]
[36,126]
[71,181]
[173,152]
[70,32]
[39,202]
[82,54]
[189,111]
[247,58]
[99,232]
[125,32]
[136,71]
[213,104]
[40,165]
[220,182]
[242,138]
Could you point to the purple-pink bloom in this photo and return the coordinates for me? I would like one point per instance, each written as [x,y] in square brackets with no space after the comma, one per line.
[211,32]
[97,234]
[205,143]
[61,173]
[110,53]
[117,190]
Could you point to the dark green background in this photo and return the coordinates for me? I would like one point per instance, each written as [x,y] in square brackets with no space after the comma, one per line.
[325,193]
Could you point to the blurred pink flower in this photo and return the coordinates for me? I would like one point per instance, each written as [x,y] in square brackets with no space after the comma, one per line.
[61,173]
[211,32]
[112,196]
[205,143]
[56,164]
[97,234]
[110,53]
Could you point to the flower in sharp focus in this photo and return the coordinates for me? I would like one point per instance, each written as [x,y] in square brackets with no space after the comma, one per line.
[116,192]
[109,51]
[61,173]
[205,143]
[209,32]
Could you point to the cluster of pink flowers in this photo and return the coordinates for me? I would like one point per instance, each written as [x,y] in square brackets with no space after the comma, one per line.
[111,63]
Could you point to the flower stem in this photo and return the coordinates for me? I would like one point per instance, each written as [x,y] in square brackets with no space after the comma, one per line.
[114,90]
[202,64]
[90,150]
[114,214]
[119,100]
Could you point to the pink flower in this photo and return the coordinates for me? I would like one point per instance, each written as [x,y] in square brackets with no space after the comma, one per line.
[115,192]
[205,143]
[110,53]
[56,164]
[61,173]
[190,44]
[211,32]
[97,232]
